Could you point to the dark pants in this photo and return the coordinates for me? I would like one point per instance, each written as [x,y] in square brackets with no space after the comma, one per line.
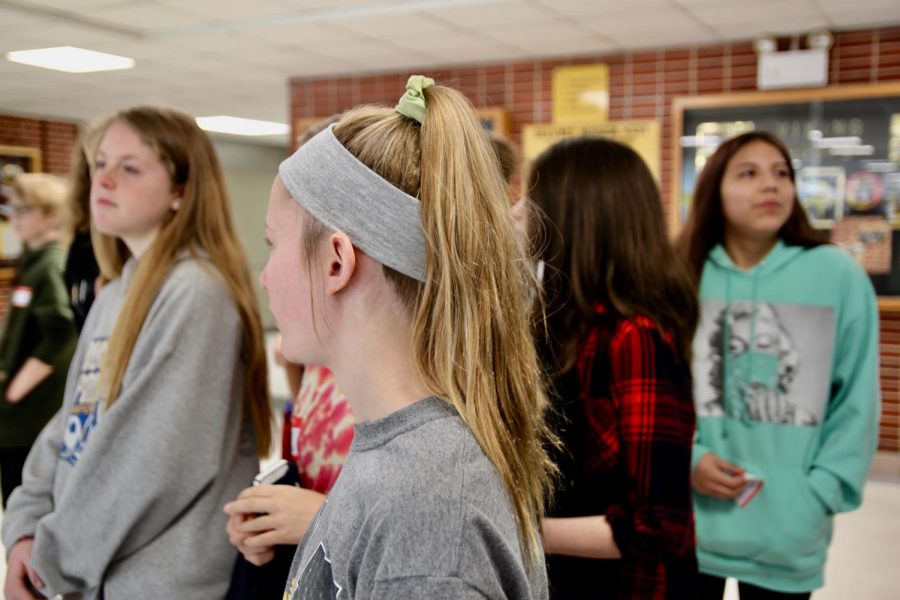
[11,462]
[713,588]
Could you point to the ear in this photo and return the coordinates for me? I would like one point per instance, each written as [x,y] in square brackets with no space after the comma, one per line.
[340,262]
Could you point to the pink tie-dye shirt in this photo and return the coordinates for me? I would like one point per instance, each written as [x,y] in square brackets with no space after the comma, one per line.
[321,429]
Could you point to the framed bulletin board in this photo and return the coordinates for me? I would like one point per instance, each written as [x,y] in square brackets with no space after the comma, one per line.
[845,146]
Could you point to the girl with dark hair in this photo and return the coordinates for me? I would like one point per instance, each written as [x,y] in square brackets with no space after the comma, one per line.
[621,315]
[82,271]
[785,376]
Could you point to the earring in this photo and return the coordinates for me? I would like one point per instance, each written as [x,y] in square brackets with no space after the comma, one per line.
[176,205]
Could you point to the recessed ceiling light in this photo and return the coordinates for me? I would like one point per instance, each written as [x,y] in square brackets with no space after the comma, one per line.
[239,126]
[70,59]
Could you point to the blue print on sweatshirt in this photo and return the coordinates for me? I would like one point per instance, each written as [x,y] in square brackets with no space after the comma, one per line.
[84,414]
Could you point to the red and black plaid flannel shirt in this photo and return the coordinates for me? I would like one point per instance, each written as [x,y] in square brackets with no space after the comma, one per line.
[635,453]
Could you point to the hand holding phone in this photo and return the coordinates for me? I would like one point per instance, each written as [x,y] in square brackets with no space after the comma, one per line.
[272,473]
[752,485]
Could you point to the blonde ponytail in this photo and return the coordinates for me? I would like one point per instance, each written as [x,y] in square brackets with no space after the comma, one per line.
[472,340]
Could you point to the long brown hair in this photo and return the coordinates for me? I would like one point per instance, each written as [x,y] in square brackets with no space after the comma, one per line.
[605,243]
[202,225]
[472,342]
[705,226]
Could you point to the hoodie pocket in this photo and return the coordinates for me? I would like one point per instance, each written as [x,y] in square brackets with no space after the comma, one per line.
[800,528]
[784,525]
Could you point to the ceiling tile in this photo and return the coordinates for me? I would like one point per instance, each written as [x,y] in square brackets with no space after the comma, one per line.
[504,13]
[733,14]
[10,19]
[79,5]
[150,17]
[663,20]
[572,47]
[693,3]
[393,26]
[843,6]
[65,33]
[659,39]
[787,26]
[524,36]
[581,8]
[865,17]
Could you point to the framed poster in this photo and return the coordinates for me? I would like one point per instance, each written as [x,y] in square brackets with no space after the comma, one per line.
[580,94]
[642,136]
[845,148]
[821,191]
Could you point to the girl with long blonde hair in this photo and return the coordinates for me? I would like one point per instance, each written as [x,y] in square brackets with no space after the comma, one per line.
[395,264]
[166,408]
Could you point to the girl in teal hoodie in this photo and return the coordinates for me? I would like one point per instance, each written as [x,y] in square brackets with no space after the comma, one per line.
[785,376]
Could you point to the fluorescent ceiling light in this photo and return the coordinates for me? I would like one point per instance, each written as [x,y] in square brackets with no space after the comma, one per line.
[239,126]
[70,59]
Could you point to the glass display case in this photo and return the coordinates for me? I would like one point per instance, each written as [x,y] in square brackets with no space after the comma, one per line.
[845,145]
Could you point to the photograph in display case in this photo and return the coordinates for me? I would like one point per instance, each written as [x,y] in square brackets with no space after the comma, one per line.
[894,146]
[821,191]
[868,240]
[892,197]
[865,192]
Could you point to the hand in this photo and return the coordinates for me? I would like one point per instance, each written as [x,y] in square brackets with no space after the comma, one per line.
[717,477]
[256,556]
[19,572]
[266,515]
[32,372]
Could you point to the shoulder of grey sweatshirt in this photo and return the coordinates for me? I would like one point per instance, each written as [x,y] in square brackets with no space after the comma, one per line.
[148,486]
[419,508]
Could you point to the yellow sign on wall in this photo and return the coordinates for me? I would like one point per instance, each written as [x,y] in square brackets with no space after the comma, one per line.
[642,136]
[581,94]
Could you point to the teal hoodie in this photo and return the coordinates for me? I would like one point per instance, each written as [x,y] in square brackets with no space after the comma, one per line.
[786,386]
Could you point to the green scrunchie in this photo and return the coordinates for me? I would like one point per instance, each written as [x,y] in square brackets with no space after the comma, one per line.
[412,103]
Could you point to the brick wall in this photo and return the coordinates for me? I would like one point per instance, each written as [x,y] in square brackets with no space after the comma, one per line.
[53,138]
[642,85]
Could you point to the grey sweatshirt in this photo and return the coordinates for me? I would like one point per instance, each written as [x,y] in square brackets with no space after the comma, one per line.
[127,502]
[418,512]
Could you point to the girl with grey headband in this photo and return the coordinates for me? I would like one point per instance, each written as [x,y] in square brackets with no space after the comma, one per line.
[394,263]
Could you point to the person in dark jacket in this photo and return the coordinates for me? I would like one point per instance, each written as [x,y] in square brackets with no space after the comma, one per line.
[621,310]
[81,270]
[39,336]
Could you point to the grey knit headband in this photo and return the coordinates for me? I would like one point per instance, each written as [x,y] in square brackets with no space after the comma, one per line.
[346,195]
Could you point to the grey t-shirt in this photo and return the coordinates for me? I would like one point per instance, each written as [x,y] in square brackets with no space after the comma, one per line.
[418,512]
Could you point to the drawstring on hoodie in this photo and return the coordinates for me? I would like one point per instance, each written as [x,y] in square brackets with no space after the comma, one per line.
[735,407]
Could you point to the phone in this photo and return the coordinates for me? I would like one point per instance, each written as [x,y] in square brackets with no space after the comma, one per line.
[752,485]
[272,473]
